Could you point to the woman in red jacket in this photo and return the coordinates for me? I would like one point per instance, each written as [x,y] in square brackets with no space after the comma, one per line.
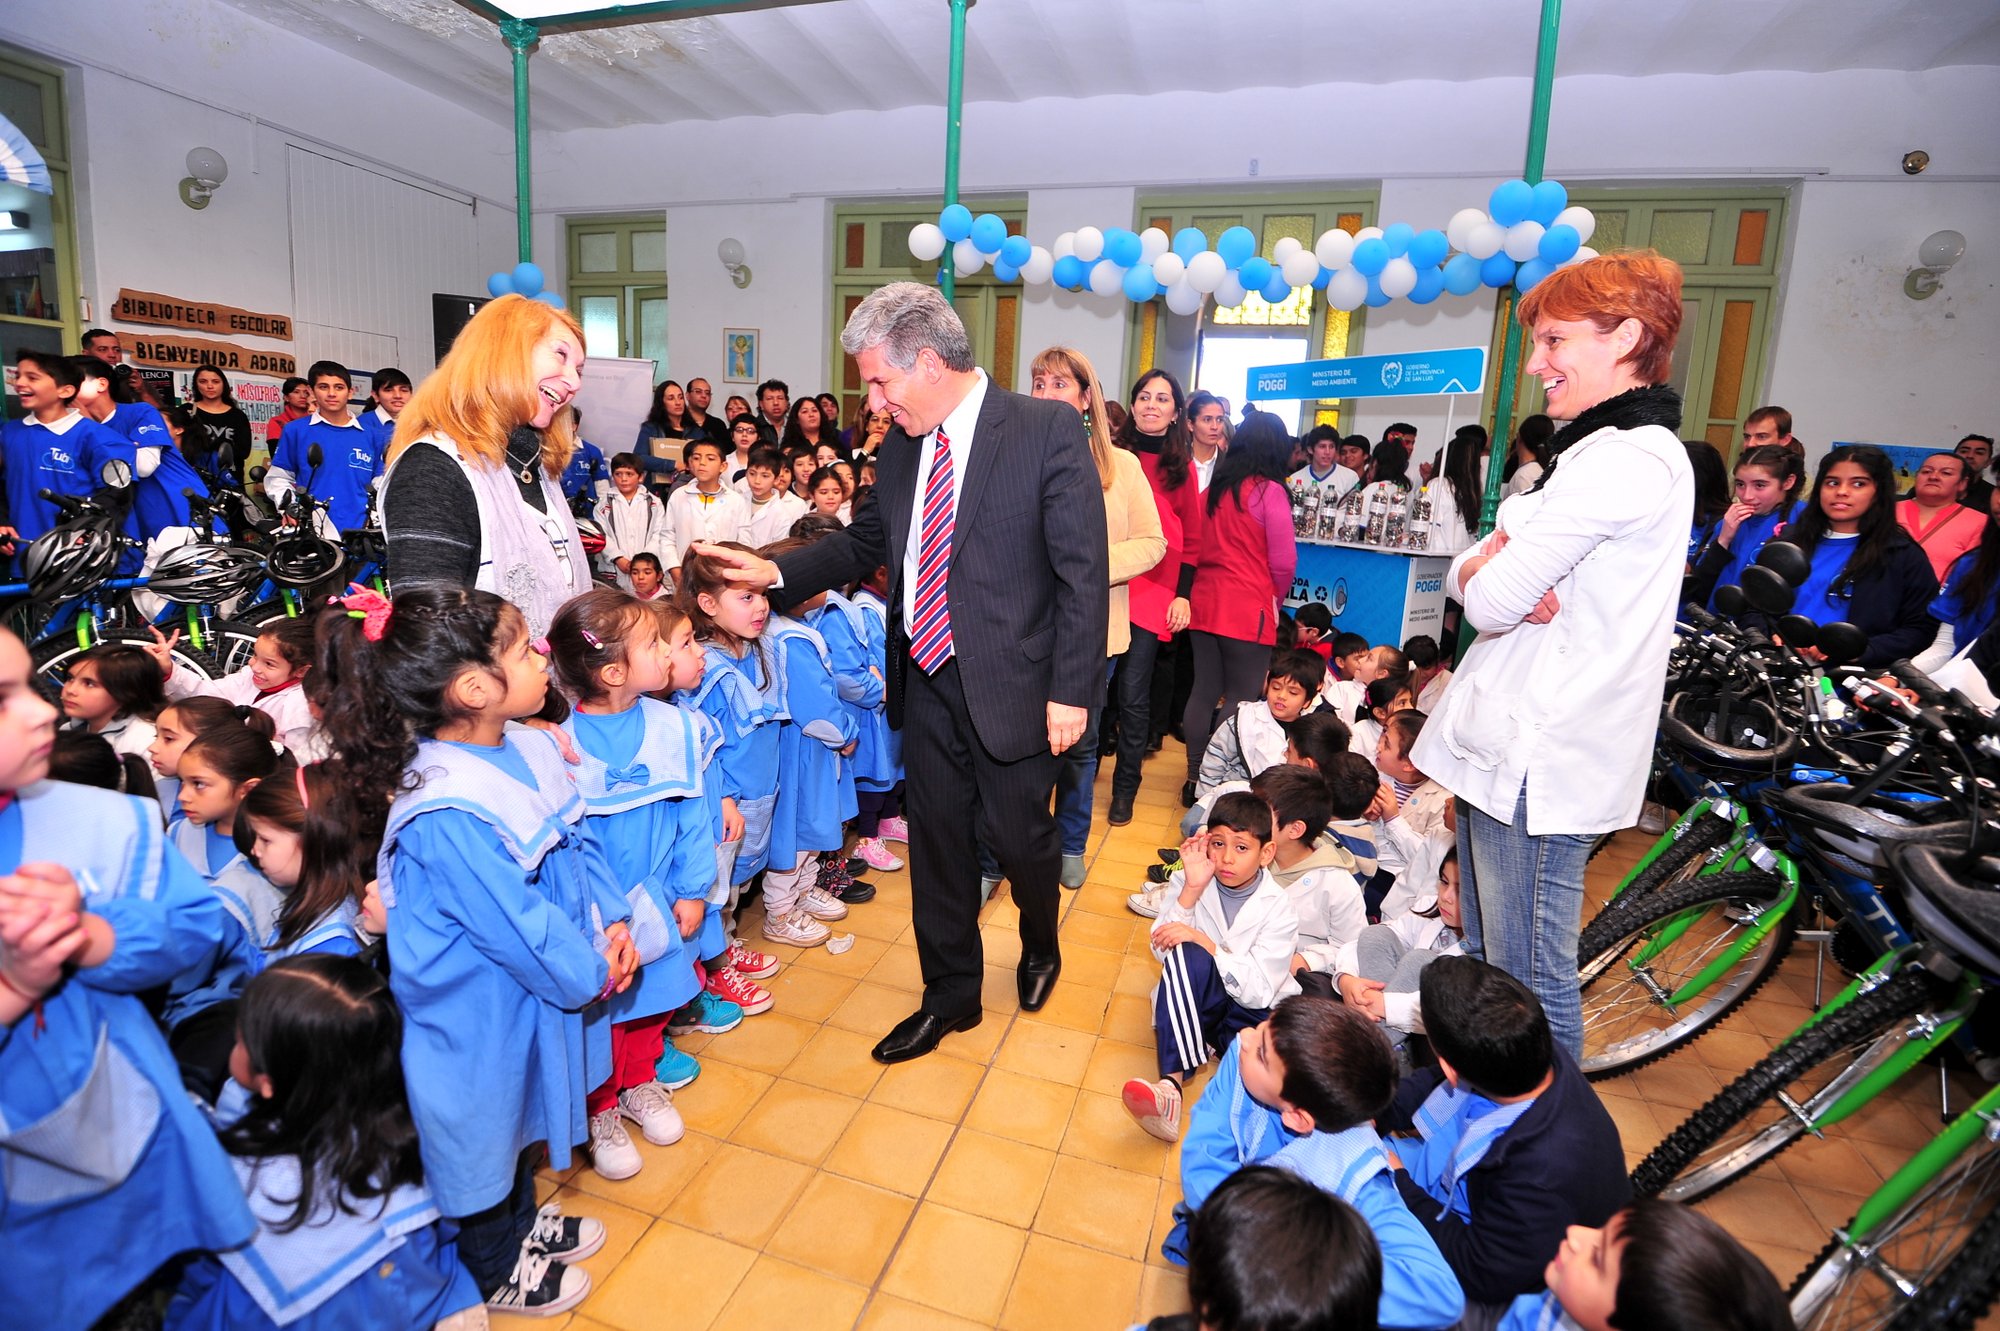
[1243,565]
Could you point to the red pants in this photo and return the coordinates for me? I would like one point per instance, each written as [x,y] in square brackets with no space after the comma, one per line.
[636,1047]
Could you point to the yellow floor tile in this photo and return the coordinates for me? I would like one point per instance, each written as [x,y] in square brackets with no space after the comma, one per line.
[837,1060]
[890,1149]
[1113,1062]
[1162,1291]
[993,1177]
[654,1278]
[666,1171]
[1036,1048]
[741,1195]
[887,1313]
[936,1086]
[1061,1284]
[854,963]
[764,1043]
[963,1264]
[796,1121]
[1129,1018]
[721,1096]
[623,1228]
[875,919]
[1022,1108]
[1099,1207]
[1100,1130]
[843,1228]
[777,1293]
[872,1010]
[809,995]
[1076,1007]
[1089,966]
[898,969]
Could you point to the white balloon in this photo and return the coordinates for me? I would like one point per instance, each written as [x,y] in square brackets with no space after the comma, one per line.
[1300,267]
[1582,252]
[926,242]
[1205,271]
[964,269]
[1181,297]
[1399,278]
[1368,233]
[1286,247]
[1335,248]
[1065,245]
[1089,243]
[1230,294]
[1524,241]
[1459,230]
[1347,290]
[1485,240]
[1107,279]
[1153,242]
[1169,269]
[966,257]
[1579,217]
[1039,267]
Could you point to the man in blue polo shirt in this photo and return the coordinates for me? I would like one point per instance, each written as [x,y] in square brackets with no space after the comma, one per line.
[349,461]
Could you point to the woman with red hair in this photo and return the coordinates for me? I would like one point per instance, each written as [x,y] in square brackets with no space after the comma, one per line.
[1545,733]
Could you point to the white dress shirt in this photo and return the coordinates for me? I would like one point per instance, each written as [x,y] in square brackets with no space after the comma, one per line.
[957,428]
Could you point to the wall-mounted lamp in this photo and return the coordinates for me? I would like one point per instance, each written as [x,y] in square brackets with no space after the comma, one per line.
[13,221]
[730,252]
[206,170]
[1940,250]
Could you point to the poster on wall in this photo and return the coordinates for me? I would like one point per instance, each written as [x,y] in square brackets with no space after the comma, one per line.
[1905,458]
[740,355]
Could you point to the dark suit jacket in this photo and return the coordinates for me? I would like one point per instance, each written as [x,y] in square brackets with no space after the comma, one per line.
[1030,567]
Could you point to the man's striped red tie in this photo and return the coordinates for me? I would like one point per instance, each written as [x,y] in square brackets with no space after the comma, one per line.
[930,627]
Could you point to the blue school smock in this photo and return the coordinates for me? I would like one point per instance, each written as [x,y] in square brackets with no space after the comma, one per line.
[110,1168]
[641,781]
[812,804]
[245,896]
[158,500]
[855,638]
[1752,536]
[246,893]
[1950,607]
[878,758]
[66,457]
[1536,1312]
[743,698]
[348,466]
[332,934]
[386,1262]
[494,888]
[586,468]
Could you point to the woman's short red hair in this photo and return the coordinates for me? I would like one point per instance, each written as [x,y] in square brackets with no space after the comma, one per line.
[1607,290]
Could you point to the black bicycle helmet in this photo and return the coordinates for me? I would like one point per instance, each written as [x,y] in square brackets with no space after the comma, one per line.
[1859,837]
[1758,740]
[300,560]
[70,559]
[205,574]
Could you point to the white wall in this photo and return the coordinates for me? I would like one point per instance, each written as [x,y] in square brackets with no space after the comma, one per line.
[1093,325]
[788,245]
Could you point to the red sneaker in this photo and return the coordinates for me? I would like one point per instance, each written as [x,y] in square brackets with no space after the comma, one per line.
[726,982]
[750,965]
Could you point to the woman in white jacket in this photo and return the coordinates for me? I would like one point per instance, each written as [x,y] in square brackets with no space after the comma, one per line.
[1547,730]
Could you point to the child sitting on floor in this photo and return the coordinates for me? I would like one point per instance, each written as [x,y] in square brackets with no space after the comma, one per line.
[1413,827]
[1254,737]
[1379,973]
[1312,630]
[1316,873]
[1355,786]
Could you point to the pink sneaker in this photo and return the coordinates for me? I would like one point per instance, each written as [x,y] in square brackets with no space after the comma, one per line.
[875,853]
[894,829]
[751,965]
[724,982]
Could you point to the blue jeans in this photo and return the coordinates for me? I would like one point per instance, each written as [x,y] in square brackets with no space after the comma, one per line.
[489,1242]
[1135,715]
[1522,901]
[1076,779]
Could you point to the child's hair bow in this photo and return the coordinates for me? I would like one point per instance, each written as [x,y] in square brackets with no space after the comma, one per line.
[370,607]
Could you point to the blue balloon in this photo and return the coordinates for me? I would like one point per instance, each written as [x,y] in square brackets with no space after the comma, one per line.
[527,279]
[1428,248]
[1397,236]
[1497,271]
[1123,247]
[500,284]
[955,222]
[1559,245]
[1189,241]
[1004,271]
[988,233]
[1069,272]
[1371,256]
[1321,278]
[1377,297]
[1016,249]
[1509,204]
[1254,272]
[549,298]
[1277,290]
[1461,275]
[1235,245]
[1531,272]
[1430,281]
[1548,199]
[1140,284]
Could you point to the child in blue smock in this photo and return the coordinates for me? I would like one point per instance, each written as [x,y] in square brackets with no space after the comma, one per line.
[326,1153]
[161,477]
[641,779]
[110,1169]
[302,831]
[1299,1092]
[504,920]
[878,755]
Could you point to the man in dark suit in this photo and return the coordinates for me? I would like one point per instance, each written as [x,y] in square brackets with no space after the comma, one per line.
[990,519]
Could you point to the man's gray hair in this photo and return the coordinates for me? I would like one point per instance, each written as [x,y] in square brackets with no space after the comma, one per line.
[902,319]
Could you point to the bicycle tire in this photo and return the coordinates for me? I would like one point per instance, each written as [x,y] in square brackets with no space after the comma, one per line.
[1862,1025]
[1619,1003]
[50,657]
[1962,1293]
[1677,862]
[1843,1289]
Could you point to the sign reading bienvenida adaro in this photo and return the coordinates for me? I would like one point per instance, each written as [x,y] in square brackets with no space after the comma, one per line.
[184,353]
[148,307]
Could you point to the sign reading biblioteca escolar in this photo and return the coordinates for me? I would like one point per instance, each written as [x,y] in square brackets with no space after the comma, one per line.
[148,307]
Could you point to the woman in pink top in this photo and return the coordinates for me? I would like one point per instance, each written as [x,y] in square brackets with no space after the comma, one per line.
[1933,515]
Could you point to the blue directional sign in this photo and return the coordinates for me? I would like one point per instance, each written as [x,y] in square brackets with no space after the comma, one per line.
[1413,374]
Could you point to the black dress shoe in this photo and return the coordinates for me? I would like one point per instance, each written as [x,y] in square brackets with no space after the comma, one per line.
[1121,811]
[1036,979]
[857,892]
[919,1033]
[1187,795]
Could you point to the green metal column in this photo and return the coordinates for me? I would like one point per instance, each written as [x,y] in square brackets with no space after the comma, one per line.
[954,114]
[521,34]
[1510,355]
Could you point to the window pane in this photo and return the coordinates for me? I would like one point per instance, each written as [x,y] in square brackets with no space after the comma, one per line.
[1683,235]
[600,326]
[649,251]
[21,102]
[597,252]
[1226,362]
[892,244]
[1609,233]
[653,333]
[30,278]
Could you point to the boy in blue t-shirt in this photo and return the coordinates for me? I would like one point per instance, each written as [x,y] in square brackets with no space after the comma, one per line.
[161,477]
[586,473]
[349,462]
[54,447]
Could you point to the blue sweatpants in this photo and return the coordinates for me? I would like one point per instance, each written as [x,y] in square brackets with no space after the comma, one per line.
[1193,1013]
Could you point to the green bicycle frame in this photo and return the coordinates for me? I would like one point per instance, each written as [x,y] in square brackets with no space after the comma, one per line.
[1724,961]
[1958,1137]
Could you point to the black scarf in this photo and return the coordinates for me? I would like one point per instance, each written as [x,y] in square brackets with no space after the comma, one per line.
[1649,404]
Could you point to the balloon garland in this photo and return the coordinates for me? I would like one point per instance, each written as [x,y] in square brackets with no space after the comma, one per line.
[524,279]
[1523,234]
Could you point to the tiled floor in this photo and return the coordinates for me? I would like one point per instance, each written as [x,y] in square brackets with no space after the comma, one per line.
[998,1182]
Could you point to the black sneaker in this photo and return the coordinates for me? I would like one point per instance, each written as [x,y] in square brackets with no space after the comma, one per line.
[1160,873]
[571,1238]
[540,1286]
[837,882]
[1169,856]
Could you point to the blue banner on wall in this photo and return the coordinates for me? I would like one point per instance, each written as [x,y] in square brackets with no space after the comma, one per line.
[1416,374]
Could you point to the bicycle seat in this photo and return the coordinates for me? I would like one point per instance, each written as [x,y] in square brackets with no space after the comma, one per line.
[1957,910]
[1859,836]
[1759,740]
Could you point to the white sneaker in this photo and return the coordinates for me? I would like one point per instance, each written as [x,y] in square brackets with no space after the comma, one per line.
[612,1153]
[1150,902]
[540,1286]
[1156,1105]
[651,1106]
[799,929]
[567,1238]
[822,905]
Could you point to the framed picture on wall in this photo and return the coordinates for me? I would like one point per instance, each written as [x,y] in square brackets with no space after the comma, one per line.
[740,355]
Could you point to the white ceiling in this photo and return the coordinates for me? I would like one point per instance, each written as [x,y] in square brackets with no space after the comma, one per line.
[823,56]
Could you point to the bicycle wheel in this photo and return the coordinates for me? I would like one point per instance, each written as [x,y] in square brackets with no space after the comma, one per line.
[1750,1120]
[1679,861]
[1866,1286]
[1963,1291]
[51,658]
[1634,964]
